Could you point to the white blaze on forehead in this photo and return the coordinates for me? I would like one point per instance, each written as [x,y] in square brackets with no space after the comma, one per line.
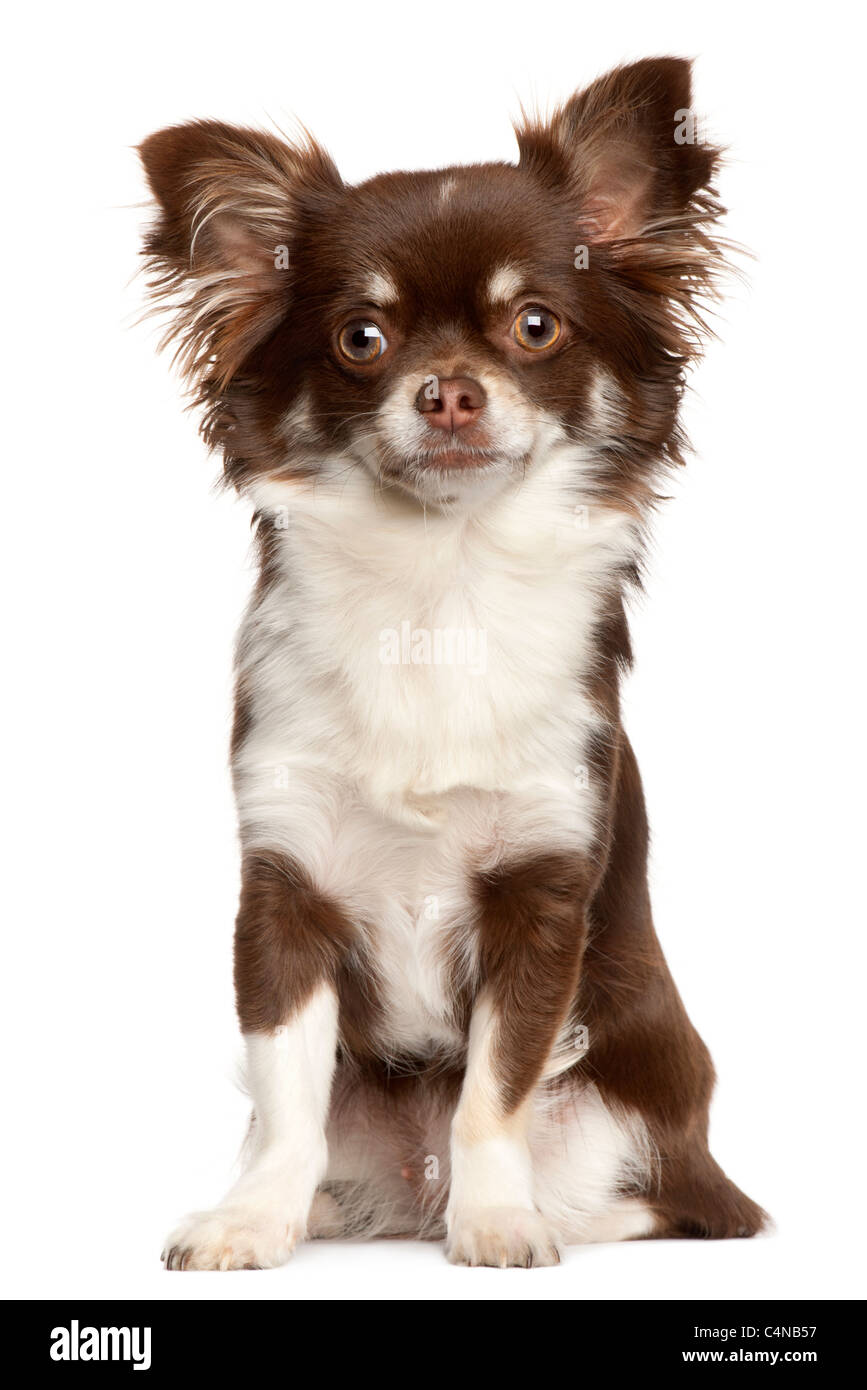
[505,283]
[379,288]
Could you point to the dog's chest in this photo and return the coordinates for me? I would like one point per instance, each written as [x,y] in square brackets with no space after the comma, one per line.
[431,656]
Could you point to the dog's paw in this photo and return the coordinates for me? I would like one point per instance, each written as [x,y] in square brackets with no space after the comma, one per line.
[232,1237]
[504,1237]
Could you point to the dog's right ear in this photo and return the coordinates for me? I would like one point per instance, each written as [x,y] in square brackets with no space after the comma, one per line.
[219,253]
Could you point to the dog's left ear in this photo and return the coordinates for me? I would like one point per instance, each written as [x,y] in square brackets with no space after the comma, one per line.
[628,146]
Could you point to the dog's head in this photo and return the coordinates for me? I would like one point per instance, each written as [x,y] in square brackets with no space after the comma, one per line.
[443,330]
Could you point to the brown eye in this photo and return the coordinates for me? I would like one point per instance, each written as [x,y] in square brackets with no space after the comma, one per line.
[536,328]
[361,341]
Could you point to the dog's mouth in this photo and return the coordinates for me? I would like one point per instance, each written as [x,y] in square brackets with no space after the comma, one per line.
[454,456]
[449,460]
[450,467]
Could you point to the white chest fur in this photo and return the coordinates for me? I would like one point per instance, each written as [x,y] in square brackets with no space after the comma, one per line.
[419,706]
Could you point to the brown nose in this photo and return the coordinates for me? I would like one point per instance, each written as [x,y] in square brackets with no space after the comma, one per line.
[451,403]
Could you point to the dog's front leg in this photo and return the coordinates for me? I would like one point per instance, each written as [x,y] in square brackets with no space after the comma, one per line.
[531,939]
[287,942]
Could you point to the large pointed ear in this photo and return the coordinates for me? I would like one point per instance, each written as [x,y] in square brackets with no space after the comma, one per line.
[628,146]
[219,253]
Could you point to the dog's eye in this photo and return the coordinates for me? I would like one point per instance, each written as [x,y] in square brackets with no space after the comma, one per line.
[361,341]
[536,328]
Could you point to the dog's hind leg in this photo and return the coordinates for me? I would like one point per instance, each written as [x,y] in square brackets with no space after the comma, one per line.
[593,1166]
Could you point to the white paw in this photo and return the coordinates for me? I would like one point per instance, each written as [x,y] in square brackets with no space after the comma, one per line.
[232,1237]
[504,1237]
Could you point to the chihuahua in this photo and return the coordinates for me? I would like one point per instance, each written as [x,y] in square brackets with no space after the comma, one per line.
[450,398]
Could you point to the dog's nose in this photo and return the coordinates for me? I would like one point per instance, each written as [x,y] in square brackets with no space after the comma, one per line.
[451,403]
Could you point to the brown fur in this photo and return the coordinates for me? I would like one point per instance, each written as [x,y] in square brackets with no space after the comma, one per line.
[531,938]
[644,1052]
[289,937]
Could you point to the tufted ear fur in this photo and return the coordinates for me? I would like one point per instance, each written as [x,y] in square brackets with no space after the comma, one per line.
[628,147]
[626,152]
[218,252]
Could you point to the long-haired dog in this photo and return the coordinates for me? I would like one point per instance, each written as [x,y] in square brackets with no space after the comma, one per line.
[450,398]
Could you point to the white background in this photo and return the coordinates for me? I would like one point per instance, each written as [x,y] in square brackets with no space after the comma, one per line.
[125,577]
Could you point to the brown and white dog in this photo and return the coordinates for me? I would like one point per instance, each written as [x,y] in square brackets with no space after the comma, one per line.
[450,398]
